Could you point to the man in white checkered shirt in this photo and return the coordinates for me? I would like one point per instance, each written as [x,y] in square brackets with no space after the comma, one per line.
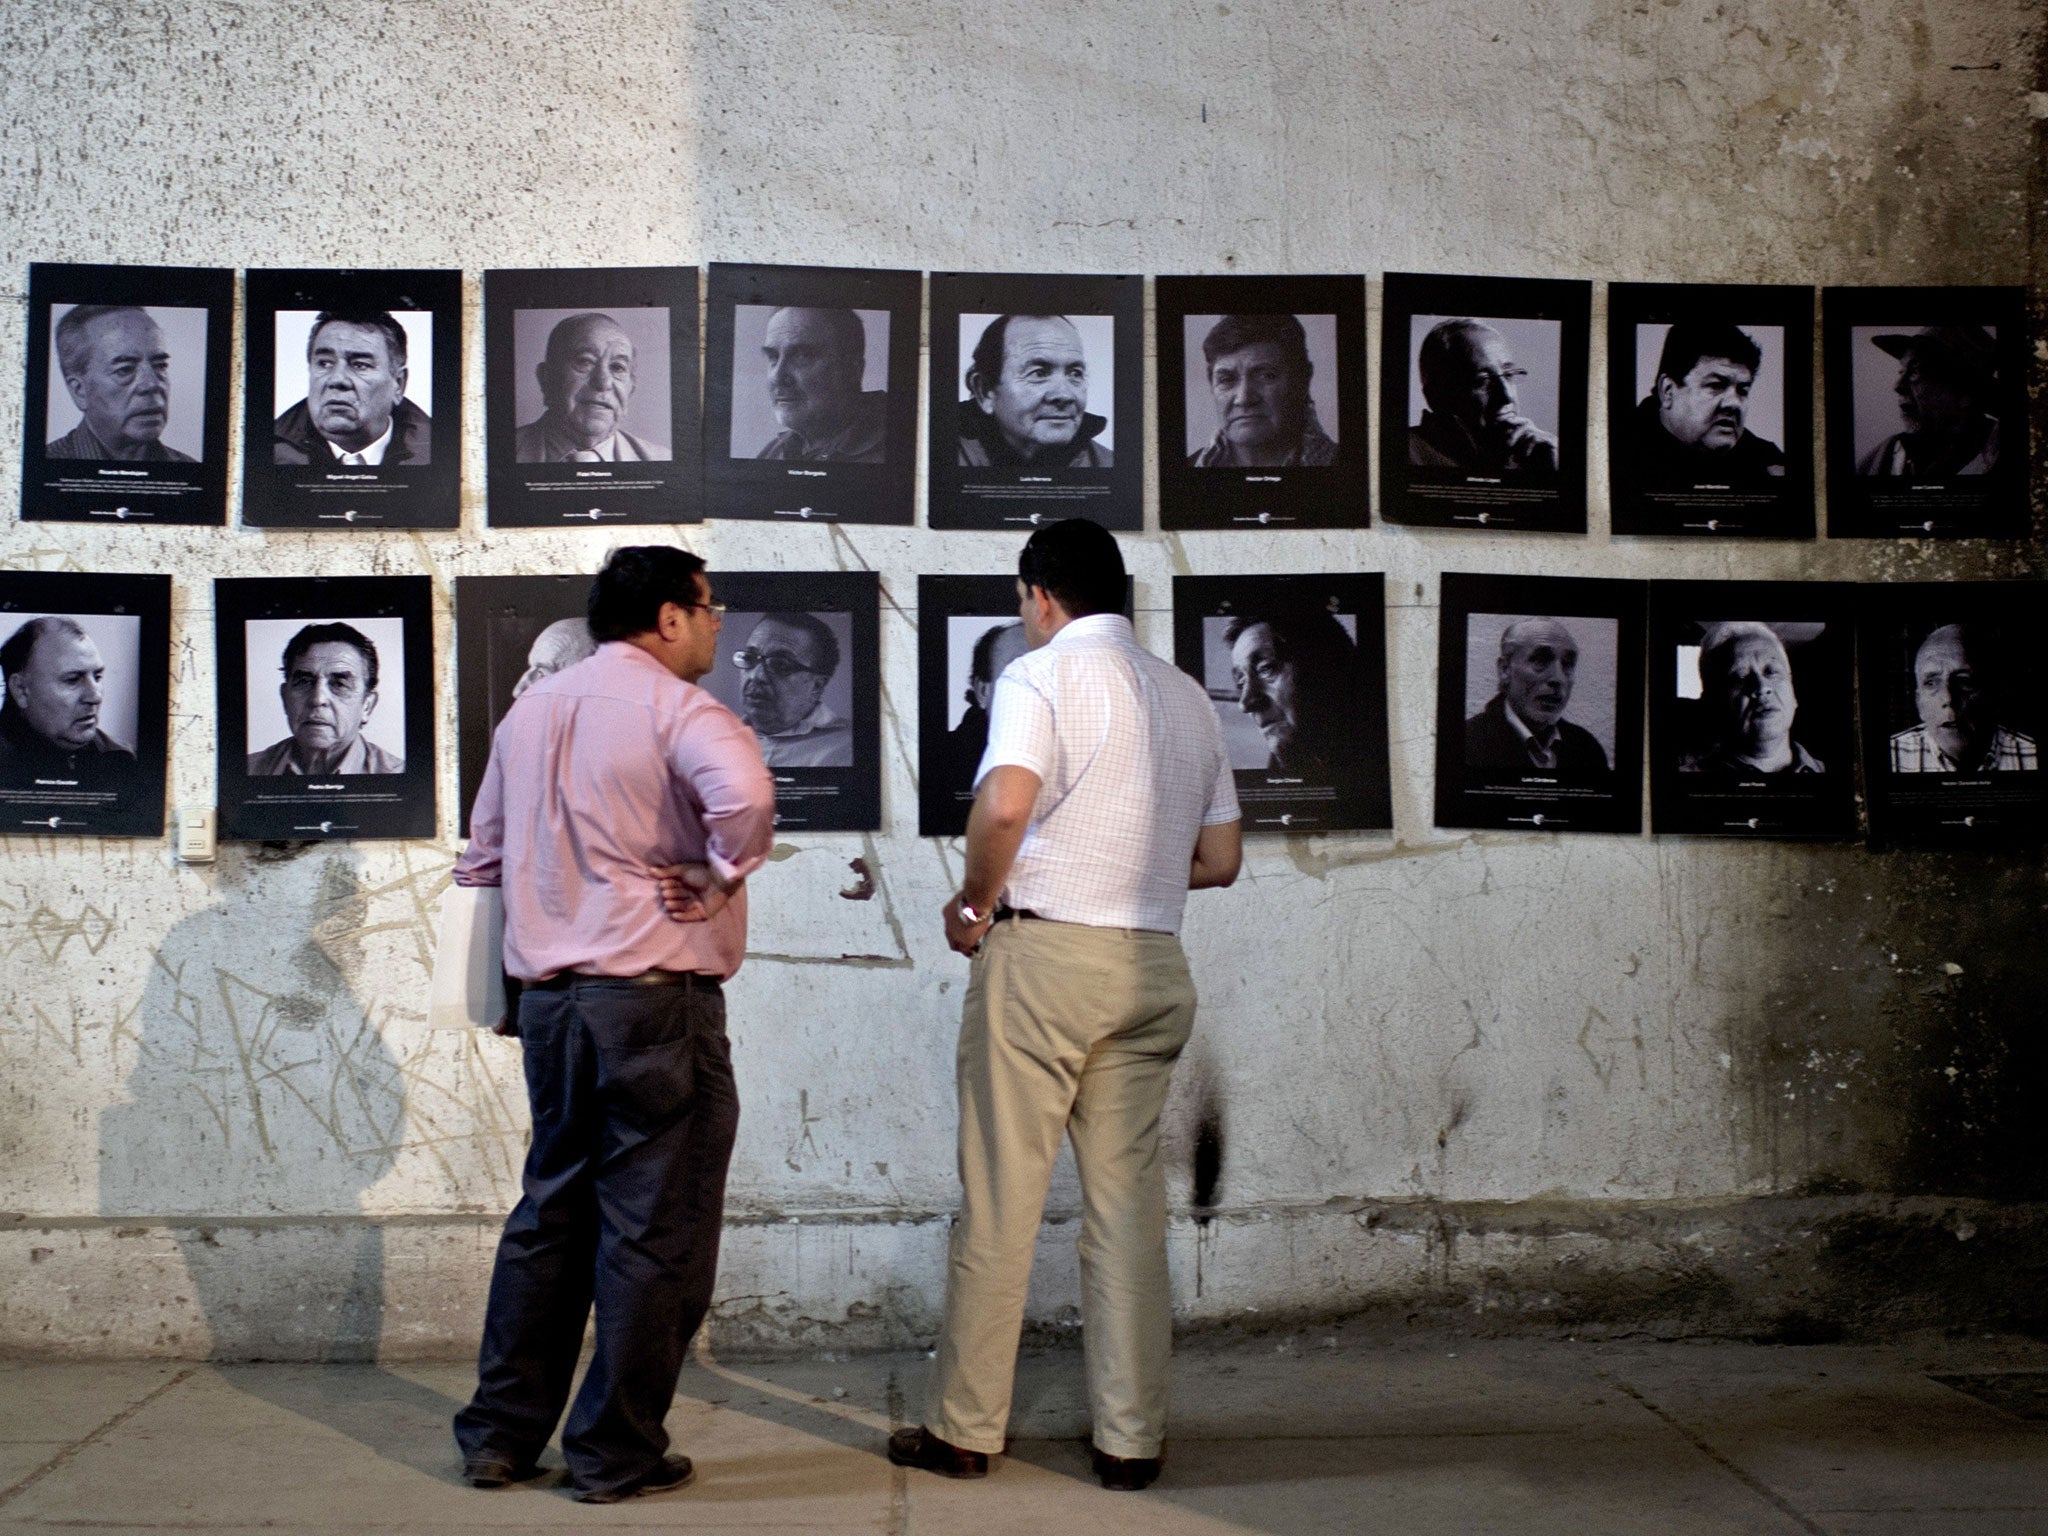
[1957,732]
[1105,796]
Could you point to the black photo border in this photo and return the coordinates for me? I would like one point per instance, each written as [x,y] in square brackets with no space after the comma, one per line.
[1423,497]
[768,490]
[190,495]
[479,599]
[1526,804]
[1993,506]
[1993,812]
[1810,806]
[823,799]
[297,808]
[405,496]
[1278,802]
[564,495]
[1003,497]
[138,809]
[1307,496]
[1782,508]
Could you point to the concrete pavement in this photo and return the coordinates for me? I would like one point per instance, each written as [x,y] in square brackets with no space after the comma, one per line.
[1287,1435]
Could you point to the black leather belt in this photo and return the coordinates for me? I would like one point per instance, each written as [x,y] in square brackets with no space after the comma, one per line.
[1002,912]
[562,980]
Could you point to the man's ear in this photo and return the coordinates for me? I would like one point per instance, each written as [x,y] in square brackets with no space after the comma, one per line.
[984,398]
[17,690]
[369,707]
[399,373]
[1664,389]
[75,386]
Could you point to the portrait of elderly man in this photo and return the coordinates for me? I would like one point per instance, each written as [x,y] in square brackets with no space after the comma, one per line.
[1258,370]
[562,644]
[329,693]
[587,379]
[1472,417]
[815,362]
[994,649]
[117,371]
[1948,376]
[50,715]
[1749,704]
[1522,729]
[1958,731]
[1027,402]
[355,411]
[1295,675]
[787,660]
[1693,424]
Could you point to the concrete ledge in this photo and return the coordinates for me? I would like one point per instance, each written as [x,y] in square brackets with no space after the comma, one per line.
[412,1287]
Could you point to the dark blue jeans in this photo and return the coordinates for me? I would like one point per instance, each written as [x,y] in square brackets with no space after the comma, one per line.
[634,1113]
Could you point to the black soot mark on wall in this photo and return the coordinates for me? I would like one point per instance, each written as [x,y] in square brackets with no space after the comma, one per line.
[1208,1160]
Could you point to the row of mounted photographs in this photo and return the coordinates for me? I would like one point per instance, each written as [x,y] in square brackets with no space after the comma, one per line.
[326,700]
[811,382]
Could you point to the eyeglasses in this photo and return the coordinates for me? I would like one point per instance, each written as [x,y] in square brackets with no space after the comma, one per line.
[777,664]
[717,610]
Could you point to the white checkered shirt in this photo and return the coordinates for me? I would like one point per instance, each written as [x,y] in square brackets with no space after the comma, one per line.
[1131,764]
[2009,752]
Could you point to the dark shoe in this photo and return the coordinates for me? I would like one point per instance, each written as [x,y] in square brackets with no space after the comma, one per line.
[919,1447]
[1124,1474]
[673,1473]
[496,1471]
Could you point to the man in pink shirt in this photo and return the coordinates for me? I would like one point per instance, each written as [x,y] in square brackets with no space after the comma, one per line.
[611,784]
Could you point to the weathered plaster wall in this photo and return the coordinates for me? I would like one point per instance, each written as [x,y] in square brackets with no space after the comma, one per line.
[1592,1081]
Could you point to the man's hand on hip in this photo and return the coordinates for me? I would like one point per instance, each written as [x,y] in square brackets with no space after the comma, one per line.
[690,893]
[964,937]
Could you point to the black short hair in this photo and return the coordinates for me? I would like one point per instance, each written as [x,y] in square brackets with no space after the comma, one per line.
[985,650]
[1233,333]
[844,326]
[986,366]
[626,597]
[1433,357]
[824,644]
[1321,650]
[72,342]
[1076,562]
[336,633]
[1690,340]
[369,320]
[21,644]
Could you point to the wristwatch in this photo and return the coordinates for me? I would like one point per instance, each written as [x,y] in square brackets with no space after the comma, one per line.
[969,916]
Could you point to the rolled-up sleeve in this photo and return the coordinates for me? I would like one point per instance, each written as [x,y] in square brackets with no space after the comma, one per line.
[483,861]
[718,757]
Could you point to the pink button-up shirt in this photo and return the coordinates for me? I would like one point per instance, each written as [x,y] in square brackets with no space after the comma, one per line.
[596,773]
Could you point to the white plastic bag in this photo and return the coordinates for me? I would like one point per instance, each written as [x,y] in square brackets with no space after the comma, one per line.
[469,964]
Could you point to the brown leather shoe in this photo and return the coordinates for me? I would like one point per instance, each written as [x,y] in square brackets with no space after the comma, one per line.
[919,1447]
[1124,1474]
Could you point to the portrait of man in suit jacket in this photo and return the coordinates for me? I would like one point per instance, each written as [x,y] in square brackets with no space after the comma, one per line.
[1522,729]
[355,411]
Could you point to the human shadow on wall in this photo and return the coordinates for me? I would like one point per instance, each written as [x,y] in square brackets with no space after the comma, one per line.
[264,1098]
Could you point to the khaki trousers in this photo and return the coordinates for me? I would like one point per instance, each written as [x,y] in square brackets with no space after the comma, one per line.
[1075,1030]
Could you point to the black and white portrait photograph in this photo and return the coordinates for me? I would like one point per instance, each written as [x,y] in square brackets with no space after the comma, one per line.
[326,706]
[354,399]
[1927,417]
[591,396]
[799,662]
[127,394]
[1483,402]
[810,398]
[510,632]
[84,677]
[1539,703]
[1752,706]
[1296,669]
[1955,703]
[1262,402]
[1710,409]
[968,631]
[1045,415]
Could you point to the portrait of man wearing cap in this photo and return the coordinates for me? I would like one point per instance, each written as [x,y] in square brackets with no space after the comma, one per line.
[1947,375]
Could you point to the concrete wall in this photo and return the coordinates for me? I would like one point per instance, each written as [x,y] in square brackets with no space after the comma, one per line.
[1584,1082]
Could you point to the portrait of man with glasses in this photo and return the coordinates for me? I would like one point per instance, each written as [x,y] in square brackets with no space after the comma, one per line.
[1473,416]
[782,670]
